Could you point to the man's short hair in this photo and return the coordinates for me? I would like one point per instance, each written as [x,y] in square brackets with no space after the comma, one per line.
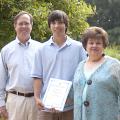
[58,15]
[22,13]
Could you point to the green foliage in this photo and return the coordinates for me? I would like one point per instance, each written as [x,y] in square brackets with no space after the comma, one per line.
[114,35]
[107,13]
[6,27]
[107,16]
[77,12]
[40,13]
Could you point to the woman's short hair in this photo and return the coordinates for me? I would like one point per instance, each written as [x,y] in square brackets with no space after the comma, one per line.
[58,15]
[95,33]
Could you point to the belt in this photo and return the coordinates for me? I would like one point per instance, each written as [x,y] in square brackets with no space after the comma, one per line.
[22,94]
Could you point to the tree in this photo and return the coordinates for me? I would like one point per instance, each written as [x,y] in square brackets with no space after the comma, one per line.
[107,16]
[77,12]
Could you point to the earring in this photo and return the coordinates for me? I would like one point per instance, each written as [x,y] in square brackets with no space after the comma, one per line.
[103,54]
[87,55]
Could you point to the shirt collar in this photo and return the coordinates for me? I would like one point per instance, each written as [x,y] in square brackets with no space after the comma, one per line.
[67,42]
[20,43]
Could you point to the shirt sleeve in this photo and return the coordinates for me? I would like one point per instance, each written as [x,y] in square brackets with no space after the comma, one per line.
[115,71]
[37,65]
[118,78]
[3,79]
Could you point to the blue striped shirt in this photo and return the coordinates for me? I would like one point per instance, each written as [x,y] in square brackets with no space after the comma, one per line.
[52,61]
[16,61]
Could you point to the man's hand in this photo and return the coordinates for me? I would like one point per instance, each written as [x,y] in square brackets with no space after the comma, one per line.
[3,112]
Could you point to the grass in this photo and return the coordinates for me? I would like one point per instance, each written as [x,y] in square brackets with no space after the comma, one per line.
[113,51]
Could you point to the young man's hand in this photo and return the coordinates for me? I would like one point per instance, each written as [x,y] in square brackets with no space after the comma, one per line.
[39,104]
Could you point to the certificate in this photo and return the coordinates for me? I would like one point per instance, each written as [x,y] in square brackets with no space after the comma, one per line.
[56,93]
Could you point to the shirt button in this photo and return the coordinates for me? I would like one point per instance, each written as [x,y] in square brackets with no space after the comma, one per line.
[89,82]
[86,103]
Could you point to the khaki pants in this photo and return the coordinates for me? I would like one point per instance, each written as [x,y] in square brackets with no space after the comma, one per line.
[68,115]
[21,108]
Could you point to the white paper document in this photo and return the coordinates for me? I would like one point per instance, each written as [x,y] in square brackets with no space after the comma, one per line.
[56,93]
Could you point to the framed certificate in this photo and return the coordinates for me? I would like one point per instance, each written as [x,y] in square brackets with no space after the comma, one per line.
[56,93]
